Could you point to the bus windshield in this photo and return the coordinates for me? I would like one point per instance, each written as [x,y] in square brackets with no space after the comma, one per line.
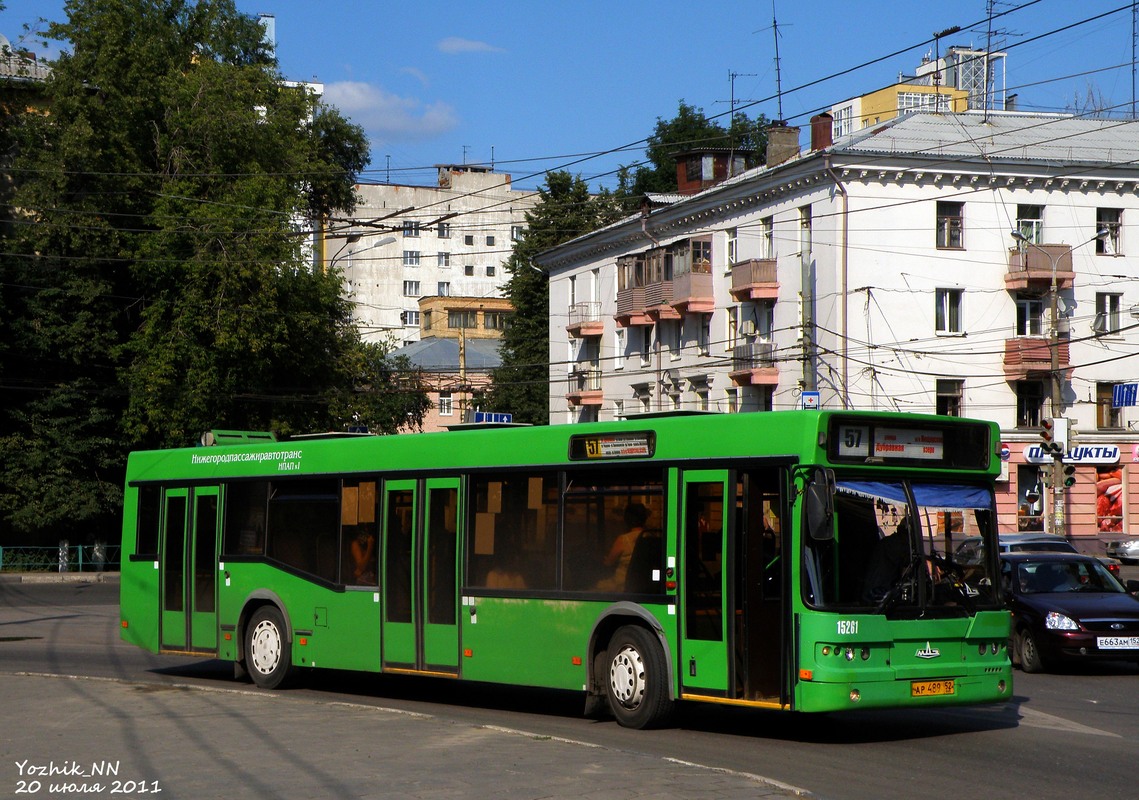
[892,548]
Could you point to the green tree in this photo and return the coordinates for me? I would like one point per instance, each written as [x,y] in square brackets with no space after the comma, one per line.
[690,129]
[156,281]
[566,209]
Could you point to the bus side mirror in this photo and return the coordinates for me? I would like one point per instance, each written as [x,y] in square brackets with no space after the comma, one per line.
[819,506]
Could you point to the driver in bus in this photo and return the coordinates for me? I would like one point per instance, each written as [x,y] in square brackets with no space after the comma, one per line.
[887,563]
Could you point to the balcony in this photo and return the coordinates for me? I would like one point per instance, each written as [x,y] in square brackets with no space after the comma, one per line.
[692,293]
[658,301]
[585,387]
[755,279]
[631,307]
[1028,355]
[1031,267]
[585,320]
[754,364]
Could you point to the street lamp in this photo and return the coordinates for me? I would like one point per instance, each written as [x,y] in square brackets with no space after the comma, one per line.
[1056,401]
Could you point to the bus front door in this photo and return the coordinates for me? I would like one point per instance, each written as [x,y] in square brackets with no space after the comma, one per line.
[420,578]
[189,564]
[704,651]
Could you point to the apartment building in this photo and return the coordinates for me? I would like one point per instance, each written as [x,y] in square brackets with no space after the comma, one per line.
[408,242]
[881,270]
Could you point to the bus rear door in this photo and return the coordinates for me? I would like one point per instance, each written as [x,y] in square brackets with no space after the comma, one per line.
[420,580]
[189,558]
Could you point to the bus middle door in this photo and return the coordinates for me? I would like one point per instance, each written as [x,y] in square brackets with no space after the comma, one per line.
[705,600]
[420,630]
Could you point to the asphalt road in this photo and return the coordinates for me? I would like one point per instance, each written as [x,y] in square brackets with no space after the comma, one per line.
[1067,735]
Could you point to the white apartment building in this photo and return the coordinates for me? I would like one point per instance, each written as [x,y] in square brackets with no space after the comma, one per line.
[408,242]
[880,270]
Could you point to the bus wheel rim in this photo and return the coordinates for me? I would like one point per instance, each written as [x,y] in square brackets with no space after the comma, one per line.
[627,677]
[265,647]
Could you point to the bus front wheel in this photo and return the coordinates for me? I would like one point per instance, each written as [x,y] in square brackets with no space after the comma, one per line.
[267,655]
[636,682]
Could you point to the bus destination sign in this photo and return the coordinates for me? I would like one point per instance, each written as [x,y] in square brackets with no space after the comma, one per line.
[890,443]
[641,444]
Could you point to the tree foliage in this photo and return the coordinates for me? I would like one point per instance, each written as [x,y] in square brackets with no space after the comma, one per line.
[156,281]
[690,129]
[565,210]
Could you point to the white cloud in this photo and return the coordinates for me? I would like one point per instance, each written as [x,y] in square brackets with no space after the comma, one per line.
[418,74]
[454,44]
[388,116]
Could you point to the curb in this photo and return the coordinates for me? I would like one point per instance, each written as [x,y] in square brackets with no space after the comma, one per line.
[59,577]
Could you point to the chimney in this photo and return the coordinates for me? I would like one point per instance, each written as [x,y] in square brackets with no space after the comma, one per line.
[782,143]
[822,131]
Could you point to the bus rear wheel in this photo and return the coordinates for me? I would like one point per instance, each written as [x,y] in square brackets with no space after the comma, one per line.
[636,682]
[268,658]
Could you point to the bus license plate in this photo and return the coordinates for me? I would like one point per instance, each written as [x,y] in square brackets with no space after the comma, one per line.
[1118,642]
[931,688]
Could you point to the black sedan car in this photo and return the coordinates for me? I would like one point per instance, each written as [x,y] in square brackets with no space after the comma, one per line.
[1067,606]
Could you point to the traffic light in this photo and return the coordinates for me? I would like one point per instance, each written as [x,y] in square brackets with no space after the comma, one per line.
[1069,474]
[1054,436]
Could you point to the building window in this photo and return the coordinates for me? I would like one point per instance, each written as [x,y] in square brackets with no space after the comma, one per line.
[805,229]
[516,232]
[702,399]
[646,345]
[843,124]
[410,228]
[1030,498]
[767,237]
[411,258]
[410,318]
[490,241]
[1107,312]
[704,334]
[950,225]
[949,397]
[619,409]
[1029,315]
[442,259]
[1110,220]
[427,320]
[733,247]
[411,288]
[495,320]
[469,239]
[462,318]
[1029,403]
[732,395]
[731,337]
[1109,498]
[922,101]
[490,271]
[443,230]
[446,408]
[948,311]
[1106,415]
[1030,223]
[469,270]
[444,289]
[619,349]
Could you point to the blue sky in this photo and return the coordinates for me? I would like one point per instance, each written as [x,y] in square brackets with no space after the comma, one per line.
[551,85]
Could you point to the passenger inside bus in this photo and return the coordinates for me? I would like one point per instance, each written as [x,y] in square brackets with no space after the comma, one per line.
[621,552]
[364,557]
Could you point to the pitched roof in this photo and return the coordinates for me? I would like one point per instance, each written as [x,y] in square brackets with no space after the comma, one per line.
[1001,136]
[437,354]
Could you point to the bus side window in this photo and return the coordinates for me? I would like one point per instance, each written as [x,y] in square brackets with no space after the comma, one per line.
[245,505]
[146,533]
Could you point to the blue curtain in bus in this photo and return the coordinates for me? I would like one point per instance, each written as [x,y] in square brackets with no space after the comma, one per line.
[927,495]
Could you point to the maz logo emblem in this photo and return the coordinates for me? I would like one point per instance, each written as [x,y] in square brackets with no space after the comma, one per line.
[928,652]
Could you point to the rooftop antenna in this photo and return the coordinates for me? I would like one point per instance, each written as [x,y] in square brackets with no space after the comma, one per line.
[732,114]
[778,78]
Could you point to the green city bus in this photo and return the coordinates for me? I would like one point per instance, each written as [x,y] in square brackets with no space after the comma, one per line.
[796,560]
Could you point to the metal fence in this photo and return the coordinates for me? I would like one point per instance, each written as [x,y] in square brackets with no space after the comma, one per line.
[96,557]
